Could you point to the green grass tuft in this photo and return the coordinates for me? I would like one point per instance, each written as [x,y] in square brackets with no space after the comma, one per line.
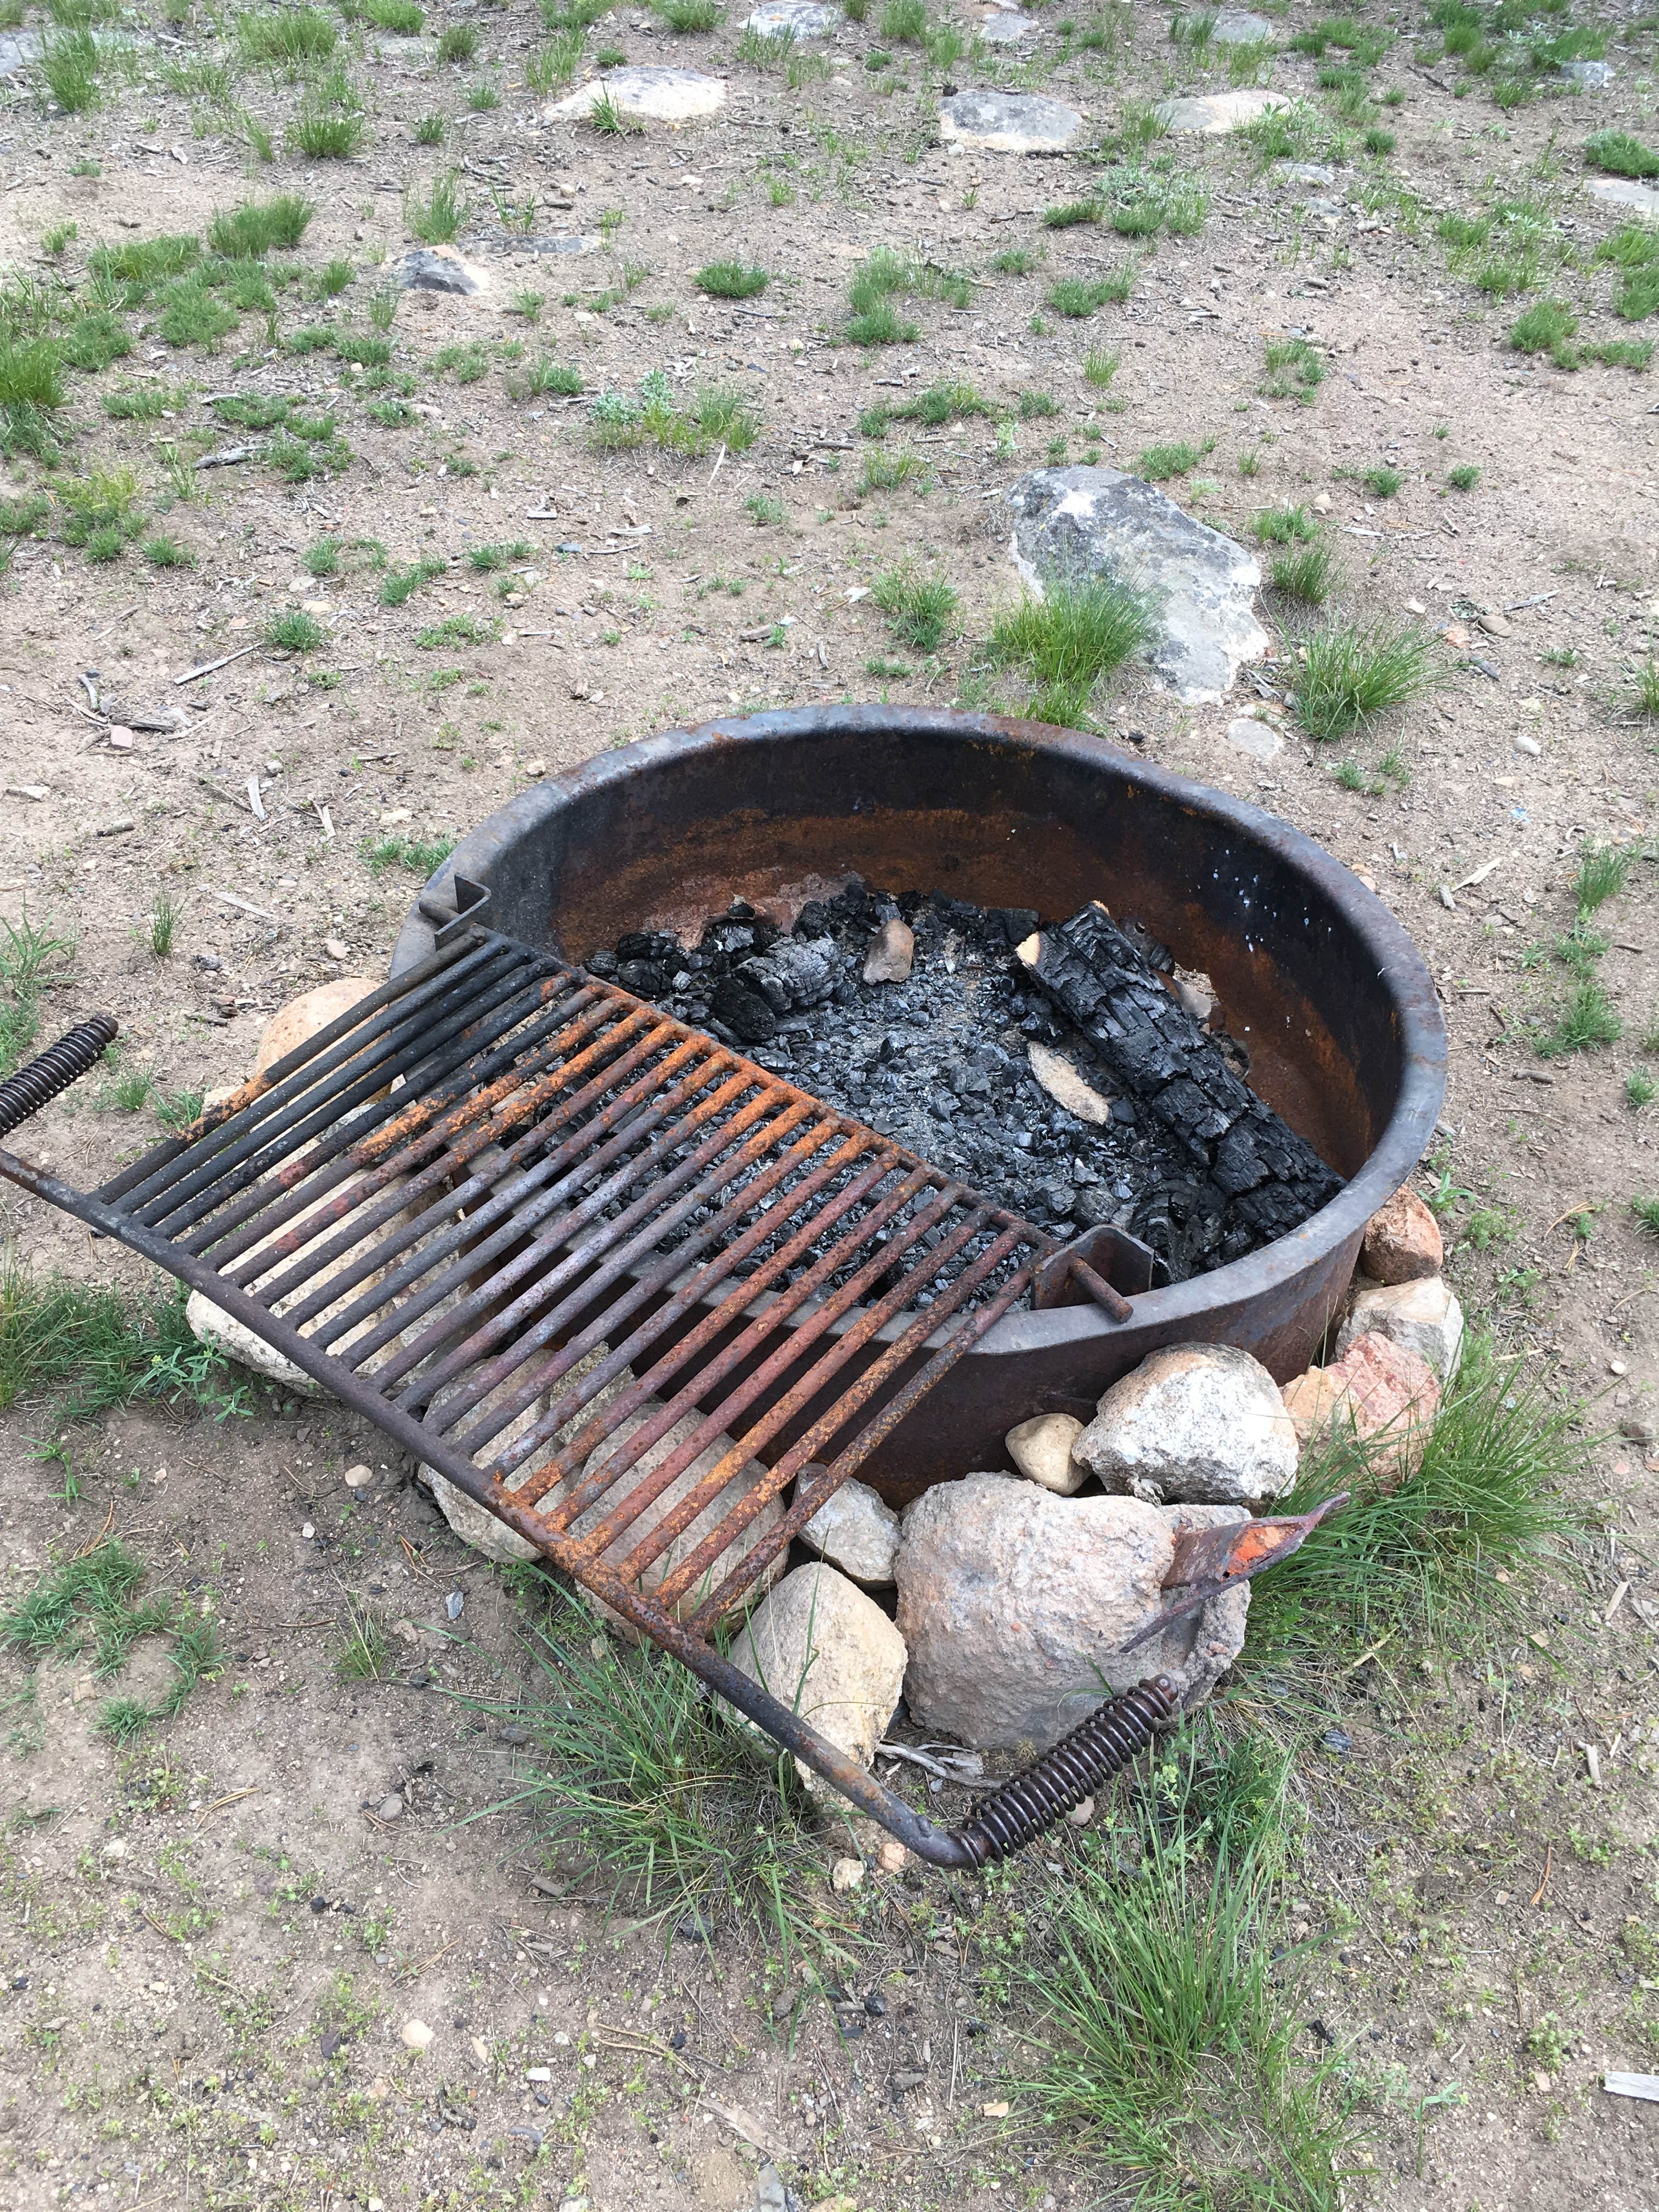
[1309,573]
[731,280]
[919,609]
[1601,874]
[1621,155]
[436,219]
[250,230]
[287,37]
[294,631]
[1587,1022]
[1067,641]
[1354,673]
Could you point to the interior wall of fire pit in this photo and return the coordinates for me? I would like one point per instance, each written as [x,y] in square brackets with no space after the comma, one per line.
[1314,974]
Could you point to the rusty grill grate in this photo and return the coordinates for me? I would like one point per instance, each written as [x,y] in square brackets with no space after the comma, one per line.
[619,1285]
[526,1210]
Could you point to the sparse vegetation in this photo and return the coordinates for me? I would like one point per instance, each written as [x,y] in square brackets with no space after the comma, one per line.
[731,280]
[1066,642]
[1353,672]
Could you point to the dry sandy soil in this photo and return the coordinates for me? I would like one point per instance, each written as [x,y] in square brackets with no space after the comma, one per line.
[212,1939]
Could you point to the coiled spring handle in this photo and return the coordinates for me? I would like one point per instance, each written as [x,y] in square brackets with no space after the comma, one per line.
[60,1065]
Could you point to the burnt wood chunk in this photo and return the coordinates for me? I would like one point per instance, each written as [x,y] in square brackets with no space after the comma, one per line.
[1255,1178]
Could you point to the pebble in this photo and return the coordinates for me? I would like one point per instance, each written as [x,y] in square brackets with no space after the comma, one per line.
[1495,625]
[1322,503]
[357,1478]
[415,2035]
[1447,900]
[308,1531]
[120,740]
[1082,1813]
[845,1873]
[454,1604]
[337,948]
[1415,607]
[390,1809]
[1527,745]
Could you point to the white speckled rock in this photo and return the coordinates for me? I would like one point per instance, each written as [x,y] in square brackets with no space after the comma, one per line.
[1194,1424]
[1041,1449]
[1009,122]
[857,1532]
[796,18]
[1102,522]
[830,1653]
[1423,1317]
[661,95]
[1013,1603]
[1218,113]
[1239,26]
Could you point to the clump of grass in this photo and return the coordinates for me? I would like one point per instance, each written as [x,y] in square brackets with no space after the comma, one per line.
[1173,1982]
[1489,1491]
[1640,1089]
[330,125]
[1621,155]
[429,129]
[1547,326]
[1159,464]
[1078,631]
[1382,482]
[421,856]
[1015,261]
[731,280]
[436,219]
[1034,406]
[1100,366]
[1307,574]
[287,37]
[1646,1211]
[765,509]
[398,586]
[1354,673]
[252,230]
[689,15]
[1601,874]
[553,64]
[457,42]
[31,392]
[1072,213]
[1295,370]
[1464,476]
[639,1773]
[1646,696]
[164,552]
[1587,1022]
[99,502]
[545,376]
[69,62]
[487,559]
[1076,298]
[919,609]
[87,1350]
[366,1652]
[293,631]
[1284,524]
[611,119]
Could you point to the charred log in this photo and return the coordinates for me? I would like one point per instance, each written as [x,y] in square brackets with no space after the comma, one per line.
[1253,1178]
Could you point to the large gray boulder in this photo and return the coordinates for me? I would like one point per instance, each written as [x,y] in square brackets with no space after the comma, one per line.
[1013,1604]
[831,1654]
[1077,522]
[1195,1423]
[1009,122]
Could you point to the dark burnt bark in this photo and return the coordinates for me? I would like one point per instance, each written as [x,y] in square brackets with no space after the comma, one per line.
[1254,1179]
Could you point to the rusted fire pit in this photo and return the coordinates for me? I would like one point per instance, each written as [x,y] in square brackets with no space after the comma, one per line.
[1339,1013]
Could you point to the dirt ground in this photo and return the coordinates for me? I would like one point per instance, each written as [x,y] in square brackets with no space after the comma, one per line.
[213,1940]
